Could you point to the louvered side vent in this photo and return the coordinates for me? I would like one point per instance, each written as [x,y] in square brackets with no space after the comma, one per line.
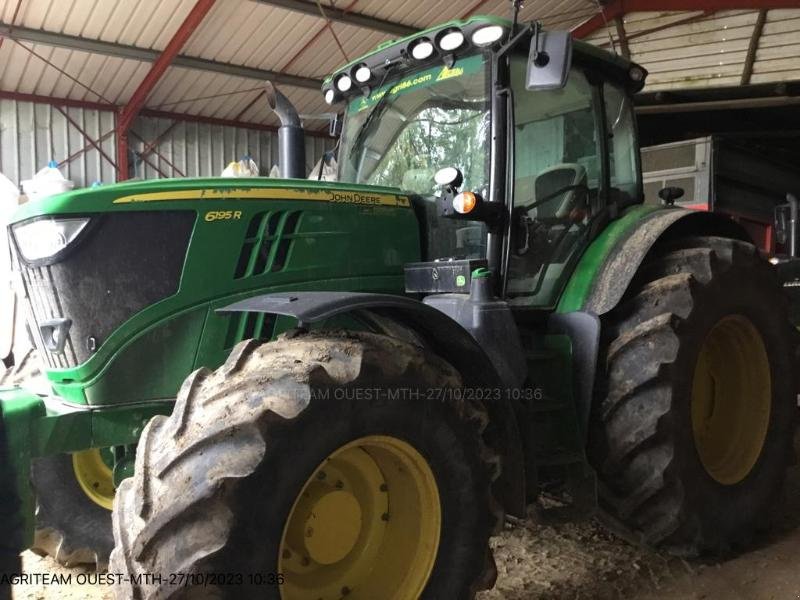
[246,325]
[267,243]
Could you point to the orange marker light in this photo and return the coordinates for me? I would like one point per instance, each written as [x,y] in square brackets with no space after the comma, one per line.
[464,202]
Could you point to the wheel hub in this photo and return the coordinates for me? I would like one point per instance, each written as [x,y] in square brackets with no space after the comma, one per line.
[368,520]
[332,527]
[95,476]
[731,399]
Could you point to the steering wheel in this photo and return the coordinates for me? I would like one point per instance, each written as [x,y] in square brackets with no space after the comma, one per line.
[555,194]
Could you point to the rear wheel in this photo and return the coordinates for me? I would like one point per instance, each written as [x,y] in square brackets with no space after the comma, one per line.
[696,410]
[321,466]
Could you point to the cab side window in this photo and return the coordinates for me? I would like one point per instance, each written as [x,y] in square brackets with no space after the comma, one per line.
[622,147]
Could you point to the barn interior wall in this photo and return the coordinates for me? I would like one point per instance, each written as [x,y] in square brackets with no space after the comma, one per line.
[32,134]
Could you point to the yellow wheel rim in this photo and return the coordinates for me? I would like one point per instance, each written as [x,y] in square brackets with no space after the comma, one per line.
[366,525]
[95,477]
[731,399]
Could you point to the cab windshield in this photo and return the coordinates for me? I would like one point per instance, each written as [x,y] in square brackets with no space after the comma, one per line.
[411,127]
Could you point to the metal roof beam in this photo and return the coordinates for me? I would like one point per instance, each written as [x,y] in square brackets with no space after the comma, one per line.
[622,36]
[752,50]
[337,15]
[71,42]
[136,102]
[162,63]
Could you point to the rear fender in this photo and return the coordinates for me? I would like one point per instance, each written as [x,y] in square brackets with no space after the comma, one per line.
[608,266]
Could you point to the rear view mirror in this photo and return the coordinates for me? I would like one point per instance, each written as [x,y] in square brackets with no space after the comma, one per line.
[782,223]
[670,194]
[549,60]
[787,217]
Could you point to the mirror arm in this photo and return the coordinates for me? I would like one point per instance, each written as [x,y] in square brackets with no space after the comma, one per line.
[512,43]
[536,41]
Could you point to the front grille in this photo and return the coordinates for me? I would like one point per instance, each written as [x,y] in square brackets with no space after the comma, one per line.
[124,263]
[267,243]
[45,304]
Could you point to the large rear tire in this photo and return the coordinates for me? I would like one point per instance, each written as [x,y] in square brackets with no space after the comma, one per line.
[692,432]
[329,464]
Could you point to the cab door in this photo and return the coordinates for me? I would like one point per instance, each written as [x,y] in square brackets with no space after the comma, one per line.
[574,156]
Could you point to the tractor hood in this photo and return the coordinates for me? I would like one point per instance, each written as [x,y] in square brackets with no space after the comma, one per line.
[122,282]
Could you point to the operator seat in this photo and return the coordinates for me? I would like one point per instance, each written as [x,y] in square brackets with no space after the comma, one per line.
[551,180]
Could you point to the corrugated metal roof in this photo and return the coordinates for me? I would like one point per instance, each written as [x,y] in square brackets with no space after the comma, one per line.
[706,50]
[710,49]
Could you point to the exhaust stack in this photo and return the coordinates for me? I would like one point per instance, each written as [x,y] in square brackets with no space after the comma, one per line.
[291,139]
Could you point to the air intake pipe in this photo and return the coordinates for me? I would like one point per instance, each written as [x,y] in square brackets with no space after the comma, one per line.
[291,140]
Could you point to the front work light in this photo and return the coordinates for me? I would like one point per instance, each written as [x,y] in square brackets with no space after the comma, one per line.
[422,49]
[330,96]
[451,40]
[363,74]
[44,238]
[344,83]
[486,36]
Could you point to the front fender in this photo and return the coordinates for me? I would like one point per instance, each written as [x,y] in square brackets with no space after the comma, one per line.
[442,335]
[606,269]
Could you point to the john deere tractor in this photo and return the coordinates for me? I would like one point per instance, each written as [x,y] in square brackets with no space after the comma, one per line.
[307,389]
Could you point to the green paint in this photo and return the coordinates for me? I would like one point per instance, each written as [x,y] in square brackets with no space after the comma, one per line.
[580,284]
[20,411]
[337,245]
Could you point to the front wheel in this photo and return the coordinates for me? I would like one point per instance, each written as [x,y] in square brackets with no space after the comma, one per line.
[74,497]
[692,433]
[321,466]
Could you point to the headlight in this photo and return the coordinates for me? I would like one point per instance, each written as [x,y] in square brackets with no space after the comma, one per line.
[44,238]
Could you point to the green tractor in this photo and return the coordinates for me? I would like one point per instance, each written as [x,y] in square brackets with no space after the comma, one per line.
[480,310]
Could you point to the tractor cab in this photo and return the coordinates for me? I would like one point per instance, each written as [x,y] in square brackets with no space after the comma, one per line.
[539,130]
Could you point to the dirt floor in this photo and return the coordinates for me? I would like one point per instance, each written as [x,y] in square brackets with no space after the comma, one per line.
[574,560]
